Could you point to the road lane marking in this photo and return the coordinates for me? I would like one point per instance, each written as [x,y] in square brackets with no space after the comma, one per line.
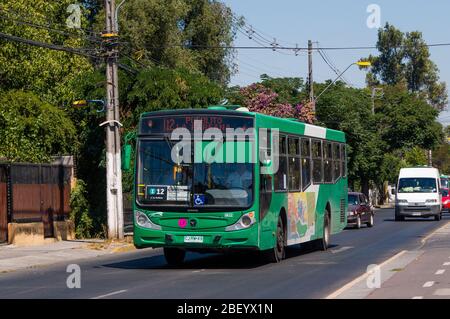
[439,272]
[428,284]
[340,250]
[417,297]
[442,292]
[447,263]
[110,294]
[362,277]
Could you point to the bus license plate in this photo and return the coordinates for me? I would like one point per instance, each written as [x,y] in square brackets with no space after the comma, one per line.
[417,214]
[193,239]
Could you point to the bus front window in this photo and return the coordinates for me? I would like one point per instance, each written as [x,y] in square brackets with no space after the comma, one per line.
[161,182]
[159,179]
[223,184]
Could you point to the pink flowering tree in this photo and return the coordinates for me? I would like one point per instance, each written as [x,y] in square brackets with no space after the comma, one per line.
[258,98]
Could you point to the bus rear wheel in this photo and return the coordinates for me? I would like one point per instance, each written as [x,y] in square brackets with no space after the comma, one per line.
[324,242]
[277,253]
[174,256]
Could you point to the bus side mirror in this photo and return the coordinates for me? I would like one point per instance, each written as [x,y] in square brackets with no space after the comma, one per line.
[393,191]
[126,157]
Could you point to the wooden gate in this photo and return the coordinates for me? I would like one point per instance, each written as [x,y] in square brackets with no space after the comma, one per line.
[40,193]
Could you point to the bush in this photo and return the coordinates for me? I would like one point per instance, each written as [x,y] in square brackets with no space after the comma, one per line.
[80,211]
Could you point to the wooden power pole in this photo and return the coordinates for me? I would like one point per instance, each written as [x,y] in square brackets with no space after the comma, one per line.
[113,157]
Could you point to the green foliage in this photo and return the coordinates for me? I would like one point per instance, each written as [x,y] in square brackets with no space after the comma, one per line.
[441,158]
[416,157]
[406,120]
[161,88]
[156,30]
[32,130]
[80,210]
[405,59]
[47,73]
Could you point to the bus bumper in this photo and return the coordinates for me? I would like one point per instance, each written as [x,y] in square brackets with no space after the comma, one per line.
[217,240]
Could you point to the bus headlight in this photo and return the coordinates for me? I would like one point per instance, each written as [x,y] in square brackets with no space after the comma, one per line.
[245,221]
[143,221]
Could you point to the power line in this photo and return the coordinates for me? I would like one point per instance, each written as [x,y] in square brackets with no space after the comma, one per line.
[31,24]
[80,51]
[332,67]
[50,25]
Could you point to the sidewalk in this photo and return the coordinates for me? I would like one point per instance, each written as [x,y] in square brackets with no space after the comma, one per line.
[428,276]
[420,273]
[14,258]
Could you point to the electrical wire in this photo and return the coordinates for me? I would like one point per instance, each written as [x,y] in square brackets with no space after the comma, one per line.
[47,45]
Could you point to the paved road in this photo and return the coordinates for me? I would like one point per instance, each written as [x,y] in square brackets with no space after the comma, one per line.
[305,274]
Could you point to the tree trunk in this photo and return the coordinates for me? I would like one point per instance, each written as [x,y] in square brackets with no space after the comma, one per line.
[365,186]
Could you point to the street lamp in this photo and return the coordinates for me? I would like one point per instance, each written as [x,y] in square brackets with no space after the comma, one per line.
[84,103]
[362,64]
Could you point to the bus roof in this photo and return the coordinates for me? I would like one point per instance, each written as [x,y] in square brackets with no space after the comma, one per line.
[285,125]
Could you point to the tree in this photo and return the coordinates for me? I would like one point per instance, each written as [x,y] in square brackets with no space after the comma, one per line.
[406,120]
[276,97]
[32,130]
[404,59]
[441,158]
[47,73]
[191,34]
[415,157]
[162,88]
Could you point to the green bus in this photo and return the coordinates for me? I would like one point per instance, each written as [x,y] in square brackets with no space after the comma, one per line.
[287,186]
[444,181]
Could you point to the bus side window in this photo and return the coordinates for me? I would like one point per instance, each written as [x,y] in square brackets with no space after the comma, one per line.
[305,162]
[317,156]
[327,162]
[294,164]
[336,162]
[281,174]
[343,161]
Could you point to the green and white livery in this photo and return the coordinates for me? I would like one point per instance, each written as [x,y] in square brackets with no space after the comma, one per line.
[287,184]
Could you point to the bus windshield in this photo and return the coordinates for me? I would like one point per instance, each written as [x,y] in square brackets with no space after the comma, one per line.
[417,185]
[162,182]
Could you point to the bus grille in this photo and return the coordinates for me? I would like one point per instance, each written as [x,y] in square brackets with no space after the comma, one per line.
[342,210]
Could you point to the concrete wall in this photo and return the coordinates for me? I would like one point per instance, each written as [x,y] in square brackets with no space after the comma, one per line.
[30,234]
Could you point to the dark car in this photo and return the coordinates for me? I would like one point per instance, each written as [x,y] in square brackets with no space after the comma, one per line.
[359,210]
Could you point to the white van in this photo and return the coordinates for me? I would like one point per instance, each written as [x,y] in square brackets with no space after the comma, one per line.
[418,193]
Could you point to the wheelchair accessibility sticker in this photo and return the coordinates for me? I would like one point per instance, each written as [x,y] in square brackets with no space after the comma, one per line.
[199,199]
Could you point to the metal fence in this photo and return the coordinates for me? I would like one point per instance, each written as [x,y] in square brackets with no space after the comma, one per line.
[34,193]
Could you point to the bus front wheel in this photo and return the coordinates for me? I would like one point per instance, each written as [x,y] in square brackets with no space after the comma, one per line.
[277,253]
[174,256]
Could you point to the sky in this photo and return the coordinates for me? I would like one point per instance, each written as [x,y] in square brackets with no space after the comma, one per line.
[333,23]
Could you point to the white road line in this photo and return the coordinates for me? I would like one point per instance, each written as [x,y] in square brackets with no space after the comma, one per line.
[442,292]
[447,263]
[428,284]
[439,272]
[339,250]
[417,297]
[110,294]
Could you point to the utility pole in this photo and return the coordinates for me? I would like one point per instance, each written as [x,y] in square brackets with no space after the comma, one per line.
[374,93]
[113,156]
[310,77]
